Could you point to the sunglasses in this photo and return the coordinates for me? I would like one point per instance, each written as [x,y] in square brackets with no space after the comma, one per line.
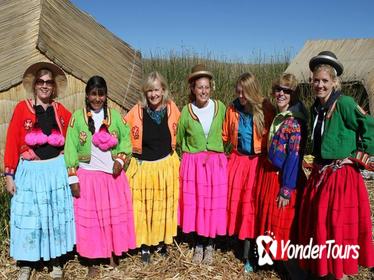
[285,90]
[48,83]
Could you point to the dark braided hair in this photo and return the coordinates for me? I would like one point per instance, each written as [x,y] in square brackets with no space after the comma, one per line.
[98,84]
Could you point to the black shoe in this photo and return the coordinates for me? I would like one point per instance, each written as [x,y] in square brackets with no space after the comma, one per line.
[162,250]
[146,257]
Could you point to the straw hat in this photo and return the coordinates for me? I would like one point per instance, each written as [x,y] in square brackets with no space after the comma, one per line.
[327,57]
[58,74]
[199,70]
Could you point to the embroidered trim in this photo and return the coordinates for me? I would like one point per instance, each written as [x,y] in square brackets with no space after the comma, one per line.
[285,193]
[121,156]
[72,171]
[362,156]
[189,106]
[9,171]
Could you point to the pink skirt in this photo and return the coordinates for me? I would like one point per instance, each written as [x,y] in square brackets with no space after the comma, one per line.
[240,208]
[203,193]
[337,209]
[103,215]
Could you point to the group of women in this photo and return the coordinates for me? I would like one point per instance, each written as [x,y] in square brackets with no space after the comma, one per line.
[240,172]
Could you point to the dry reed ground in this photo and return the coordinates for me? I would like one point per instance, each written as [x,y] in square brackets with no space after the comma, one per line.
[176,266]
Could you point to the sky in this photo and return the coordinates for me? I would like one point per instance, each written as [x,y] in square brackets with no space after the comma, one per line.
[231,30]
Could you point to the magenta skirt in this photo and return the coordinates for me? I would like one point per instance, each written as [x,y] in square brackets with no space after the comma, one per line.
[203,193]
[103,215]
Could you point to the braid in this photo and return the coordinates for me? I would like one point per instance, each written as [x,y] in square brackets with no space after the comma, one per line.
[105,108]
[91,123]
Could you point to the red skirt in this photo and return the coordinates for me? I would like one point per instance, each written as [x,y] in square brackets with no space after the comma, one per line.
[336,206]
[240,204]
[271,220]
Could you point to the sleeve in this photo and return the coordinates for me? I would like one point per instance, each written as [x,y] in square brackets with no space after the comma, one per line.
[181,128]
[124,145]
[291,166]
[66,115]
[71,146]
[226,127]
[358,120]
[12,144]
[284,153]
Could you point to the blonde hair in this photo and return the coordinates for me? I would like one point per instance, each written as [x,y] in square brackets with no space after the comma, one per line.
[148,84]
[332,72]
[42,72]
[252,93]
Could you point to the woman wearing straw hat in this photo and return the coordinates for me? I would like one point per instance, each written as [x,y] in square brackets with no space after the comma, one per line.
[245,129]
[335,203]
[41,215]
[203,172]
[154,168]
[97,144]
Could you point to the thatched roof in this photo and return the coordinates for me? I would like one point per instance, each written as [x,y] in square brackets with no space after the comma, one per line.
[356,55]
[71,39]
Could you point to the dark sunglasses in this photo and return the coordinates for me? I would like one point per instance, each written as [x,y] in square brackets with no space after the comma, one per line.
[40,83]
[285,90]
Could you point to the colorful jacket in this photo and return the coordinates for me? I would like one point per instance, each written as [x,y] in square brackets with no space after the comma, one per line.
[22,122]
[348,131]
[230,128]
[191,137]
[79,138]
[287,140]
[134,118]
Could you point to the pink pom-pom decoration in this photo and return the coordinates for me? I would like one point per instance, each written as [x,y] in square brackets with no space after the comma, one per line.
[104,140]
[36,137]
[56,139]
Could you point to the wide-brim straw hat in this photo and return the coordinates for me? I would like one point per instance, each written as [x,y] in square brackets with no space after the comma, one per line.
[326,57]
[198,71]
[58,74]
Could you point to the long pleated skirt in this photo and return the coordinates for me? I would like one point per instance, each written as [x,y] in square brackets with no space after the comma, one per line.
[335,206]
[155,191]
[104,215]
[41,216]
[272,220]
[203,195]
[240,201]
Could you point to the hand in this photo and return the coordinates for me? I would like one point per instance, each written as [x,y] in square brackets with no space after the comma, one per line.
[370,166]
[10,185]
[117,168]
[29,155]
[75,190]
[282,202]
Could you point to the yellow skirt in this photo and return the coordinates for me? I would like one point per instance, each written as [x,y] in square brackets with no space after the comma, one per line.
[155,193]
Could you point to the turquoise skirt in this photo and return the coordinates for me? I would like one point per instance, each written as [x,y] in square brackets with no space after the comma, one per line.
[41,214]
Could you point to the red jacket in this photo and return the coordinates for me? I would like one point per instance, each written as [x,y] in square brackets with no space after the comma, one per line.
[22,121]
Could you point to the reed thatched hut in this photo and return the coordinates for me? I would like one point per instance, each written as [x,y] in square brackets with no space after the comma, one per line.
[357,56]
[56,31]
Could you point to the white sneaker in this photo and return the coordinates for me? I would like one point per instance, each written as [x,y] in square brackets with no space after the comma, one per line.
[24,273]
[57,273]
